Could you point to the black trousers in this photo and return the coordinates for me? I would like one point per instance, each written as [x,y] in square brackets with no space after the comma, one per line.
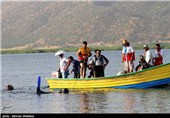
[98,71]
[76,75]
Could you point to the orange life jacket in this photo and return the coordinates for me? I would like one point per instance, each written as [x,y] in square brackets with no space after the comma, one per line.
[83,52]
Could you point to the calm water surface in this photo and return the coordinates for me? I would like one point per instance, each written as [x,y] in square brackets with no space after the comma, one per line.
[22,71]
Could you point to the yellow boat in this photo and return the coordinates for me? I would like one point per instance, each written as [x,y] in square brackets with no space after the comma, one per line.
[151,77]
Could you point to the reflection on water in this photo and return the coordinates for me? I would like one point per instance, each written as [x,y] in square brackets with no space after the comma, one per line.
[146,101]
[129,102]
[100,102]
[25,68]
[93,102]
[84,103]
[124,100]
[87,101]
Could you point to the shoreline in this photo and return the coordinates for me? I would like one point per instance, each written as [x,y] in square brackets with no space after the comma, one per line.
[74,49]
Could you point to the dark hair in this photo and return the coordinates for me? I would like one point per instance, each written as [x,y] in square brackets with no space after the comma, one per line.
[157,44]
[127,44]
[84,42]
[70,57]
[141,56]
[97,50]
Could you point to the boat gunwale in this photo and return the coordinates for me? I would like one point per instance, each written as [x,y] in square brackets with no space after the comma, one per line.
[115,76]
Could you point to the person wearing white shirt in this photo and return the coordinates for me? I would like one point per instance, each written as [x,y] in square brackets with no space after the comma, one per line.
[63,68]
[148,55]
[99,63]
[128,56]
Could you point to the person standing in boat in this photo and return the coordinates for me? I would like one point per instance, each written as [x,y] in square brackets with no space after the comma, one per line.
[76,66]
[148,55]
[158,57]
[123,54]
[128,56]
[83,54]
[99,62]
[63,68]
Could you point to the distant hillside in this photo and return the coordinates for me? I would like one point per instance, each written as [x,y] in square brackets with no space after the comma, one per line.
[27,25]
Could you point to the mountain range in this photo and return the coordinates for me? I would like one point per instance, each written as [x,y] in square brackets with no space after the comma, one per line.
[55,24]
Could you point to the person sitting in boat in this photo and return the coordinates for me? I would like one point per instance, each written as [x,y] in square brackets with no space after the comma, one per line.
[98,63]
[142,64]
[76,66]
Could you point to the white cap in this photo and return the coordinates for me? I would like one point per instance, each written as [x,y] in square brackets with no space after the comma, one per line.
[145,46]
[59,52]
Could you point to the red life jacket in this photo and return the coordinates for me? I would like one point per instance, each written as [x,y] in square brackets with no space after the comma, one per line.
[130,56]
[158,61]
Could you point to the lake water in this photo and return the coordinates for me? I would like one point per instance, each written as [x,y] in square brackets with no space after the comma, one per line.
[22,71]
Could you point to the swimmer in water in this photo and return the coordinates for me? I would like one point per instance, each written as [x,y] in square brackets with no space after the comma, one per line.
[10,87]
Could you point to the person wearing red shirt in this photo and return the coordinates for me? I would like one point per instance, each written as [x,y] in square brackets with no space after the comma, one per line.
[158,57]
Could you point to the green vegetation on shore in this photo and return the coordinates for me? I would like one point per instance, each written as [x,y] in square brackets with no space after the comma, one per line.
[74,49]
[67,49]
